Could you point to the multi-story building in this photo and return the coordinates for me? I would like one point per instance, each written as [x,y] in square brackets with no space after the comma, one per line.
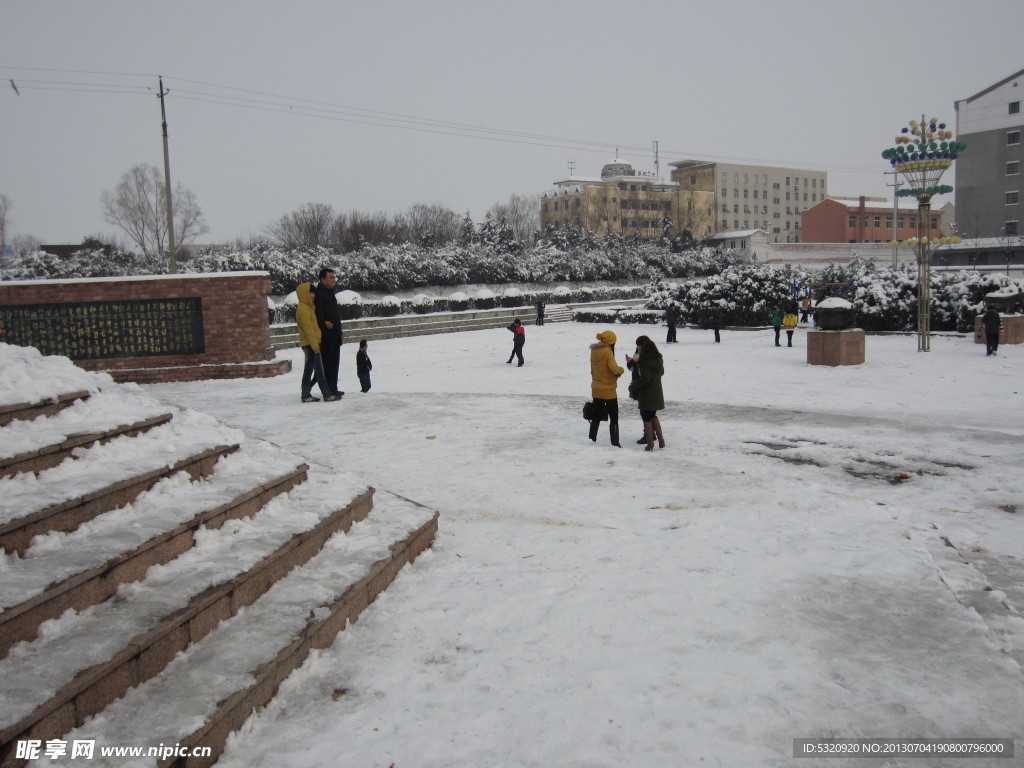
[628,202]
[864,220]
[988,173]
[755,196]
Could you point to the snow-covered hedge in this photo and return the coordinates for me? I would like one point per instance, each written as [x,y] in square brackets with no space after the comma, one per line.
[402,267]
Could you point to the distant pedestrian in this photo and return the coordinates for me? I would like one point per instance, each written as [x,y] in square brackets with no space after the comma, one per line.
[992,323]
[716,322]
[789,322]
[518,340]
[540,313]
[604,376]
[309,342]
[805,307]
[363,367]
[671,318]
[777,325]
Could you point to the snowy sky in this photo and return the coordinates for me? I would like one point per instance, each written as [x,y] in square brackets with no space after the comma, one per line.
[378,106]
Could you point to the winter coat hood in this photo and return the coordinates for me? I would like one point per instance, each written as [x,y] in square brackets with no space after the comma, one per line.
[305,318]
[606,337]
[304,293]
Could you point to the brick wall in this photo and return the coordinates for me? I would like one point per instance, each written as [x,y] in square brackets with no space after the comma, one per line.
[236,327]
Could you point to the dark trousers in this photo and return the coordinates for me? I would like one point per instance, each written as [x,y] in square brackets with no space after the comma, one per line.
[330,351]
[612,408]
[777,332]
[789,338]
[671,338]
[991,342]
[313,370]
[364,381]
[718,337]
[517,351]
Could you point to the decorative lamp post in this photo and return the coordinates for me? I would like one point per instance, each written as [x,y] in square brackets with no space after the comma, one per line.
[922,154]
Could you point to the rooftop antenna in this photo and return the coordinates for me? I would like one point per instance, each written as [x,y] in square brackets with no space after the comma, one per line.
[657,165]
[572,167]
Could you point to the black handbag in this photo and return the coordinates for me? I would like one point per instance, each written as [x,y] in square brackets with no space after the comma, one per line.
[594,411]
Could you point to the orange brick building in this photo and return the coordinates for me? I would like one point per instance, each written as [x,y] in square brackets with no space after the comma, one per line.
[863,220]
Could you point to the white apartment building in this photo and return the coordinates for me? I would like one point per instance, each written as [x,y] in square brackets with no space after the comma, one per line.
[755,196]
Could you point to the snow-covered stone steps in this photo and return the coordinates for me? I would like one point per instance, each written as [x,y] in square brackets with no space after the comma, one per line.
[85,567]
[85,494]
[44,442]
[211,688]
[80,665]
[177,569]
[46,407]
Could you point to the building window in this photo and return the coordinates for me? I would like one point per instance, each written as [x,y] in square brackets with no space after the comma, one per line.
[888,222]
[755,194]
[787,195]
[735,178]
[878,221]
[725,208]
[736,208]
[1012,168]
[1012,138]
[1014,107]
[1011,198]
[853,221]
[1010,228]
[787,181]
[746,194]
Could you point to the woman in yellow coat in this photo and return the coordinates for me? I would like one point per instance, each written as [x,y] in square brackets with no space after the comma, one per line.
[604,376]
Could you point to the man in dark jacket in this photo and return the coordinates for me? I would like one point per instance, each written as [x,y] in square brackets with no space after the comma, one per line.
[329,320]
[671,318]
[992,325]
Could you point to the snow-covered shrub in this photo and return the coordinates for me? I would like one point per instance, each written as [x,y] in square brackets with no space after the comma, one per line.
[485,299]
[422,304]
[459,302]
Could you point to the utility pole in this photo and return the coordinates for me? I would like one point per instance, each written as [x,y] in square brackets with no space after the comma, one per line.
[896,184]
[172,262]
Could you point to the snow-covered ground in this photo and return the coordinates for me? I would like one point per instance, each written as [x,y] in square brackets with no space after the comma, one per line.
[777,572]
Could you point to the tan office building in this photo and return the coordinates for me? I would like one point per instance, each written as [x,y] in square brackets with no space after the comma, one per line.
[755,196]
[627,202]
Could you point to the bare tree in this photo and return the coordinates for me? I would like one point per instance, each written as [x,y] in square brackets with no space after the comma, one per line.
[522,214]
[431,224]
[306,228]
[25,244]
[138,207]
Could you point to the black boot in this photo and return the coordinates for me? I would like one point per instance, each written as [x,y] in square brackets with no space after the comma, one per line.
[613,430]
[593,430]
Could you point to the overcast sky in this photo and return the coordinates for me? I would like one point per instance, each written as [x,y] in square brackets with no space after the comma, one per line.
[378,106]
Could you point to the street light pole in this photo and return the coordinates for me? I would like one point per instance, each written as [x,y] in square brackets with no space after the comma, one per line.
[922,154]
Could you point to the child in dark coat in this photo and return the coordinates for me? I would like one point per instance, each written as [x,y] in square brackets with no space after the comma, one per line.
[363,367]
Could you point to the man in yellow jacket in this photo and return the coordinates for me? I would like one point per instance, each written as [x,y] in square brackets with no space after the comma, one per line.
[309,341]
[604,376]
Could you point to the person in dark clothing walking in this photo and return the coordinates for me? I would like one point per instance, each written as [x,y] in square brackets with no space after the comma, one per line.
[716,323]
[363,367]
[518,340]
[671,318]
[329,320]
[540,313]
[992,323]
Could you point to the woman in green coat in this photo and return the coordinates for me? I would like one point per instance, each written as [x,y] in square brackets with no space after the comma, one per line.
[651,398]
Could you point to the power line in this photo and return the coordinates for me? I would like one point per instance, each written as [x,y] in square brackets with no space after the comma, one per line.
[298,106]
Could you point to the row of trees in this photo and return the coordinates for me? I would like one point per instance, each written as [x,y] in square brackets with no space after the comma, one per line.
[137,206]
[317,225]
